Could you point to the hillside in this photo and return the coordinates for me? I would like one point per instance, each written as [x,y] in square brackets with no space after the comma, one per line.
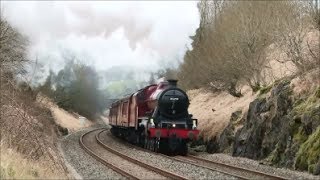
[278,125]
[29,137]
[254,82]
[31,127]
[65,119]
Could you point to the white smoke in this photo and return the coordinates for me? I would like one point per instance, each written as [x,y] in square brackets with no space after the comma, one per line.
[105,33]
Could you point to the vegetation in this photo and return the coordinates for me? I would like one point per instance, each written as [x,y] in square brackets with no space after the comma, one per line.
[15,166]
[265,89]
[120,81]
[230,46]
[309,153]
[26,128]
[12,50]
[120,88]
[76,88]
[307,105]
[300,148]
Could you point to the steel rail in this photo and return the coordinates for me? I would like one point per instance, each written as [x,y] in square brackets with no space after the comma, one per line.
[236,168]
[208,167]
[101,160]
[180,160]
[142,164]
[196,159]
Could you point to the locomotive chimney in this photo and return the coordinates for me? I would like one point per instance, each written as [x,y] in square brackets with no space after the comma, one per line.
[172,82]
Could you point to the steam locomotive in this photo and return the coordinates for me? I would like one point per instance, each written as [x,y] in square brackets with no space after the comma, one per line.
[155,117]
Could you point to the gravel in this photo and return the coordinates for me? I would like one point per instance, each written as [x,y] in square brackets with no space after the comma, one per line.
[85,165]
[256,165]
[117,161]
[187,170]
[88,168]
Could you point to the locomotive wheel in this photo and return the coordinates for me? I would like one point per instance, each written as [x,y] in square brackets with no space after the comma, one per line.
[163,146]
[149,144]
[157,145]
[184,149]
[141,141]
[152,144]
[146,143]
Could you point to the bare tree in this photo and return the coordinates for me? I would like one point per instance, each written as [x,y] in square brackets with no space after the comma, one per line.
[293,33]
[22,122]
[12,49]
[230,45]
[314,11]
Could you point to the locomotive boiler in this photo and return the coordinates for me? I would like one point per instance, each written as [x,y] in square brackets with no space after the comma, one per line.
[155,117]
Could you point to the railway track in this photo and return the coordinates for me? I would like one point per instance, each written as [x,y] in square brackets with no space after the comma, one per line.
[121,163]
[239,172]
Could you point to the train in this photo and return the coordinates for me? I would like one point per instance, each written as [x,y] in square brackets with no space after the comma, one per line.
[155,117]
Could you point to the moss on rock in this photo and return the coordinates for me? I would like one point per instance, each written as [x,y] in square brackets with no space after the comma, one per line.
[309,153]
[281,129]
[317,93]
[265,89]
[300,136]
[306,106]
[2,173]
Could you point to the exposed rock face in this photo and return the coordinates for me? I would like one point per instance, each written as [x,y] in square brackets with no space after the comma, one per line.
[212,146]
[279,129]
[266,119]
[223,142]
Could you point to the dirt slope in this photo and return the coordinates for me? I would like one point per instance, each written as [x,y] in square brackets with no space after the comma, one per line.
[213,110]
[65,119]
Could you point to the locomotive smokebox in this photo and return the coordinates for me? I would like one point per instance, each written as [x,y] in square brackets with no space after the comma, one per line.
[173,82]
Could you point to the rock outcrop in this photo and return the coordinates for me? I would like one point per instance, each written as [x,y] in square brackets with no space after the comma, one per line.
[279,129]
[267,118]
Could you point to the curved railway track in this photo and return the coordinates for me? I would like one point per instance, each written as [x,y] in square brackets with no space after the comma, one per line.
[91,143]
[239,172]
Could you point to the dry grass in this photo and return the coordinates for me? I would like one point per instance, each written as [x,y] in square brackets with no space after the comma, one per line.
[15,166]
[28,134]
[213,110]
[306,83]
[62,117]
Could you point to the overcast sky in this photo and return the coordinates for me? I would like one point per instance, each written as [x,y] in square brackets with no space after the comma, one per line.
[106,33]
